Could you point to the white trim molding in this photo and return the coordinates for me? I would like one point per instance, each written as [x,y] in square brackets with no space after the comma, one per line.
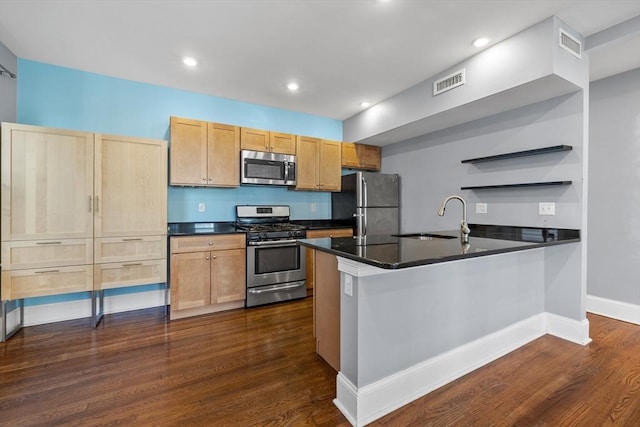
[364,405]
[615,309]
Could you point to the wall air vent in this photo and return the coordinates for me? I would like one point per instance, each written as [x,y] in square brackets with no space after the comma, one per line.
[449,82]
[570,44]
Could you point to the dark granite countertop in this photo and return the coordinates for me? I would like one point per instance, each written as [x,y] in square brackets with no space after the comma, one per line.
[392,252]
[320,224]
[198,228]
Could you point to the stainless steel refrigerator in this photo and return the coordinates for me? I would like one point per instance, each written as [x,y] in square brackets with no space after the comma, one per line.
[370,202]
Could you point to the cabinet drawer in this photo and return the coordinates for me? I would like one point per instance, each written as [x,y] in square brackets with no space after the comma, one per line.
[121,249]
[25,254]
[122,274]
[329,232]
[207,243]
[19,284]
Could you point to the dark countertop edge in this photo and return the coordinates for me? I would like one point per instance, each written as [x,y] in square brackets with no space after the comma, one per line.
[320,224]
[210,228]
[428,261]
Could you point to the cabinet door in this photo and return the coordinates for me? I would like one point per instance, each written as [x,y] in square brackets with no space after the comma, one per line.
[188,152]
[223,155]
[228,277]
[17,284]
[282,143]
[130,186]
[123,274]
[190,280]
[370,155]
[47,183]
[316,234]
[329,165]
[360,156]
[307,163]
[254,139]
[326,308]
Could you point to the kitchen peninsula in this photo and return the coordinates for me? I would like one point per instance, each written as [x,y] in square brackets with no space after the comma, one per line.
[419,311]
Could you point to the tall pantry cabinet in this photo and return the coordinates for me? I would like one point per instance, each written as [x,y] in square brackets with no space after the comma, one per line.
[80,212]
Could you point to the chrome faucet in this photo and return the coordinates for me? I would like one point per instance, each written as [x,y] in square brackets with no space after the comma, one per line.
[464,227]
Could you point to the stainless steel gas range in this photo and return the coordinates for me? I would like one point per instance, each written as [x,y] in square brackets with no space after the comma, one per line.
[276,264]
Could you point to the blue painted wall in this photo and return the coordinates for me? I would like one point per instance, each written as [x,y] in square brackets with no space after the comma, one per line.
[65,98]
[60,97]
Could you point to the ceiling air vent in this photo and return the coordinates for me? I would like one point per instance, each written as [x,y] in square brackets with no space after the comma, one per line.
[449,82]
[570,44]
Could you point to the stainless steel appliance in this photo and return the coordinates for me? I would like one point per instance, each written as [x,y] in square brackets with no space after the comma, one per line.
[370,201]
[276,264]
[268,168]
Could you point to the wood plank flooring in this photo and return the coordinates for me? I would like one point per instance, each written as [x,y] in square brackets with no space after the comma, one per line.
[258,367]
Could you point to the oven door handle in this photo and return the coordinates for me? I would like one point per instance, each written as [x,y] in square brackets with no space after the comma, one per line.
[274,243]
[276,288]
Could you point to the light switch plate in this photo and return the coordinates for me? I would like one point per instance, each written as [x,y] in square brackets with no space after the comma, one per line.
[348,285]
[546,208]
[201,207]
[481,208]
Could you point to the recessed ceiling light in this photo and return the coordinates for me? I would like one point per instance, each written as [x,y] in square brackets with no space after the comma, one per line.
[293,86]
[365,104]
[482,41]
[189,61]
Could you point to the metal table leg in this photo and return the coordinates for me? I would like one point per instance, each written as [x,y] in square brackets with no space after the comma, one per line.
[4,311]
[97,307]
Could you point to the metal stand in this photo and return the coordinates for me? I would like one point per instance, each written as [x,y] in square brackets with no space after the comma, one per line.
[4,311]
[97,307]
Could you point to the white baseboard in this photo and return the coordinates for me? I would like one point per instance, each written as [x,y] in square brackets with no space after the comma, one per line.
[615,309]
[364,405]
[568,329]
[78,309]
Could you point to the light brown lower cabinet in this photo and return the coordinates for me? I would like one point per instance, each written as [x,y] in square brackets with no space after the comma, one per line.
[326,308]
[208,274]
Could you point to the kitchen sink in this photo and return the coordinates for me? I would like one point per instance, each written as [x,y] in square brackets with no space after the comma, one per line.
[425,236]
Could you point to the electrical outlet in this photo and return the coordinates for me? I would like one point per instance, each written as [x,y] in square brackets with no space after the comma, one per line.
[481,208]
[201,207]
[313,207]
[546,208]
[348,285]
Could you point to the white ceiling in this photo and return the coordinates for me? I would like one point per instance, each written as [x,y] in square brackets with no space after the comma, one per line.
[341,52]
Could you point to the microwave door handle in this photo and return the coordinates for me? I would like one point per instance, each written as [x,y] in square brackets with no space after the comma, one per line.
[286,171]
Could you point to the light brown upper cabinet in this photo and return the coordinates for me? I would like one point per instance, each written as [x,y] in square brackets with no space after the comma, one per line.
[204,154]
[71,199]
[318,164]
[264,140]
[47,183]
[130,186]
[360,156]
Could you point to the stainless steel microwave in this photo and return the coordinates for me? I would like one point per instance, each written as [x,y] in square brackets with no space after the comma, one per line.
[260,167]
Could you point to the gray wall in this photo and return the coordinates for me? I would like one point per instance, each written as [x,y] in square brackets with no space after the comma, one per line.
[613,254]
[8,86]
[430,168]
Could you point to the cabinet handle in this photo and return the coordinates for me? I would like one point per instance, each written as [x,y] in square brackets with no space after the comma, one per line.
[132,239]
[47,271]
[132,264]
[210,179]
[214,257]
[48,243]
[90,203]
[97,207]
[206,257]
[210,243]
[204,179]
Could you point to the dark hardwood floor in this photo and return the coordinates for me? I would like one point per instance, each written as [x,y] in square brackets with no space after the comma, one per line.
[257,367]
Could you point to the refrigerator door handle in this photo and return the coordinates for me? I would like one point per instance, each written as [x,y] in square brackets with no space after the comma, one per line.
[365,201]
